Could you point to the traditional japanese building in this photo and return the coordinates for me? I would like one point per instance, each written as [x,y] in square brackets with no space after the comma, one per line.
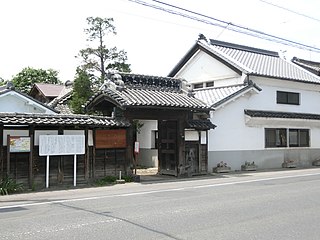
[177,113]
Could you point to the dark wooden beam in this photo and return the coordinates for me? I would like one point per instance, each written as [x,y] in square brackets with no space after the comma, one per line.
[1,151]
[31,135]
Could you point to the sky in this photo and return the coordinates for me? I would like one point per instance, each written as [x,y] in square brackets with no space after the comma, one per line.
[49,33]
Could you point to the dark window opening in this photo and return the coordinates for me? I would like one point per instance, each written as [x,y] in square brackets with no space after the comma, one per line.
[298,138]
[281,137]
[210,84]
[197,85]
[275,137]
[288,98]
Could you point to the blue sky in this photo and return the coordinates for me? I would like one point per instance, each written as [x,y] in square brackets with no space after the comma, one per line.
[48,34]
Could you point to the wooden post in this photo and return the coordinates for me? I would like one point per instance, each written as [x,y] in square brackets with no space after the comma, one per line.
[31,135]
[8,155]
[1,151]
[94,154]
[86,155]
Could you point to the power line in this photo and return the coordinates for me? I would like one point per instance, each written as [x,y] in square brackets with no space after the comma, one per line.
[223,24]
[289,10]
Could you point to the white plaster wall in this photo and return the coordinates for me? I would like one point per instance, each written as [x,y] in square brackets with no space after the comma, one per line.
[13,102]
[202,67]
[232,133]
[267,98]
[144,138]
[18,133]
[37,133]
[73,132]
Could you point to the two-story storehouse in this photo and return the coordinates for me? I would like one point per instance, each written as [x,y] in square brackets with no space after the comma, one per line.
[266,108]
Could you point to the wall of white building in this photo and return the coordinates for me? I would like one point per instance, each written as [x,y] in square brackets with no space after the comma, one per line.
[235,141]
[204,68]
[12,102]
[148,155]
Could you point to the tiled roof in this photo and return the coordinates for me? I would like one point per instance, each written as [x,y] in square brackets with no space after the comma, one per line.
[248,60]
[274,114]
[260,62]
[218,95]
[203,124]
[311,66]
[49,90]
[60,120]
[148,91]
[60,103]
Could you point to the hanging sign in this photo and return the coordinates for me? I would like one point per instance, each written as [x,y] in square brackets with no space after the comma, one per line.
[50,145]
[136,147]
[19,144]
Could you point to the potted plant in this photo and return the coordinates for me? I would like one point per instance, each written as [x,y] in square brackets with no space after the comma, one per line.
[222,168]
[316,162]
[288,164]
[248,166]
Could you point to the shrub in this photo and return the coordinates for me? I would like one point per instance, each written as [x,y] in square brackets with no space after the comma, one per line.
[106,180]
[128,178]
[8,185]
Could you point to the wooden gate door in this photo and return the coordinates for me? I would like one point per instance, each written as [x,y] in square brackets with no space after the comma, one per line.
[192,157]
[167,149]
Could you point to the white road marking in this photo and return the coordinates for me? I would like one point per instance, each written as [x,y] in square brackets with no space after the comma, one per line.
[159,191]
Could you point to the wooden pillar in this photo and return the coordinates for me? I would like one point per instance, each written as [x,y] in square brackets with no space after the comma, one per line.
[31,135]
[60,176]
[86,156]
[1,152]
[180,144]
[129,150]
[94,154]
[8,155]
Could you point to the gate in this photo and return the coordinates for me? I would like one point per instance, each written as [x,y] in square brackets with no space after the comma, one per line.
[168,154]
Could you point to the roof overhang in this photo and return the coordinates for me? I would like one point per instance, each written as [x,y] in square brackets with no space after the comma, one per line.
[258,118]
[54,120]
[203,47]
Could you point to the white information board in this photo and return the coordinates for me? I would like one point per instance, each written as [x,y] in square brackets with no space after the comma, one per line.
[50,145]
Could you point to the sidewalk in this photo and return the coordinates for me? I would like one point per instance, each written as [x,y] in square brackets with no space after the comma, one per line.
[148,176]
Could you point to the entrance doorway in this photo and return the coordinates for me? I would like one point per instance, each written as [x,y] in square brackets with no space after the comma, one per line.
[167,147]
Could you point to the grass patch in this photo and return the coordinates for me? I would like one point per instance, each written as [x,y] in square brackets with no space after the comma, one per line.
[8,186]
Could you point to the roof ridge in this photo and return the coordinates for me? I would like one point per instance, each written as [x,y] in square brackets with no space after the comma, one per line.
[244,48]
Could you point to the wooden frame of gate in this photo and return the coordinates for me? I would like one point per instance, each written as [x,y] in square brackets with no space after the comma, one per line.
[171,144]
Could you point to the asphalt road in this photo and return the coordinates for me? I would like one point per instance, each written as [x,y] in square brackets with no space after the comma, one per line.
[262,205]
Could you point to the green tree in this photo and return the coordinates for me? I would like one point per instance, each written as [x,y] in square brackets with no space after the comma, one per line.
[100,58]
[25,79]
[81,90]
[2,81]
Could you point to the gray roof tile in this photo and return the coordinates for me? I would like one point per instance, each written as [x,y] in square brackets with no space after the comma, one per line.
[275,114]
[218,95]
[150,91]
[203,124]
[61,120]
[259,62]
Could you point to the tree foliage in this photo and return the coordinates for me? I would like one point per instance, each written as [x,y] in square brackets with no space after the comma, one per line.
[25,79]
[81,90]
[98,58]
[2,81]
